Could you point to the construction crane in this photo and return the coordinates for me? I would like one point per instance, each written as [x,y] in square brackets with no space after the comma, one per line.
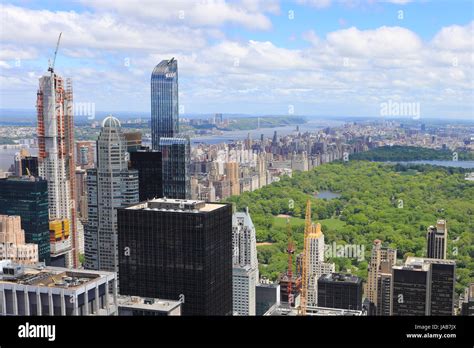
[290,250]
[51,66]
[305,262]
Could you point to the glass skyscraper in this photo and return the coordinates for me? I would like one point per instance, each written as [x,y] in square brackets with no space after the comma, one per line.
[164,101]
[27,197]
[178,250]
[176,154]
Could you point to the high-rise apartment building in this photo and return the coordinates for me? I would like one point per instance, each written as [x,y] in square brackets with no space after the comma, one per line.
[245,263]
[12,242]
[437,238]
[56,163]
[178,250]
[164,101]
[423,286]
[150,173]
[27,197]
[110,185]
[316,265]
[232,173]
[379,277]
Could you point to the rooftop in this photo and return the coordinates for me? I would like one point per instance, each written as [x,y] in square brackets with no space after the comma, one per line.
[150,304]
[422,263]
[339,277]
[176,205]
[39,275]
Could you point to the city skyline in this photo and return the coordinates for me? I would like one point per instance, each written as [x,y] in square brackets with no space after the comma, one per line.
[302,57]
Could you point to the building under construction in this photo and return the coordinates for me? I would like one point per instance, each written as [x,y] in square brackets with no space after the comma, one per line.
[295,289]
[56,164]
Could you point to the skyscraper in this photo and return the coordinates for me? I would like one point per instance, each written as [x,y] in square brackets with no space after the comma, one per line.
[232,173]
[245,263]
[176,154]
[164,101]
[27,197]
[436,238]
[315,263]
[423,286]
[178,250]
[55,131]
[379,277]
[109,186]
[150,173]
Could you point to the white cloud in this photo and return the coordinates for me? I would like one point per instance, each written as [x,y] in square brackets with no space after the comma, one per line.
[455,37]
[381,42]
[194,13]
[315,3]
[345,67]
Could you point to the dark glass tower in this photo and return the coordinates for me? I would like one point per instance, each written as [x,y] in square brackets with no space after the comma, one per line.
[28,198]
[176,154]
[423,287]
[178,249]
[340,291]
[164,101]
[29,166]
[150,173]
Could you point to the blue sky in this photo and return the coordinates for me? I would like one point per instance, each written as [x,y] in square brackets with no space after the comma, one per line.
[308,57]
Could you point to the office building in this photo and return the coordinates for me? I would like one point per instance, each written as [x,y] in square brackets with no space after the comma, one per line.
[266,296]
[338,290]
[178,249]
[55,130]
[110,185]
[48,291]
[436,238]
[12,242]
[164,102]
[150,173]
[423,286]
[245,263]
[27,197]
[380,273]
[176,156]
[135,306]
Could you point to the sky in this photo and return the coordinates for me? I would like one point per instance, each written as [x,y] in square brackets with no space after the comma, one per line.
[258,57]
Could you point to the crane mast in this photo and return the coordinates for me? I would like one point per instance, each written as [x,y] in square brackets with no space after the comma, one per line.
[304,272]
[51,65]
[290,250]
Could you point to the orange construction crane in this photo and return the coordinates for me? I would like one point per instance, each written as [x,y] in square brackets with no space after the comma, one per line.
[290,250]
[304,271]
